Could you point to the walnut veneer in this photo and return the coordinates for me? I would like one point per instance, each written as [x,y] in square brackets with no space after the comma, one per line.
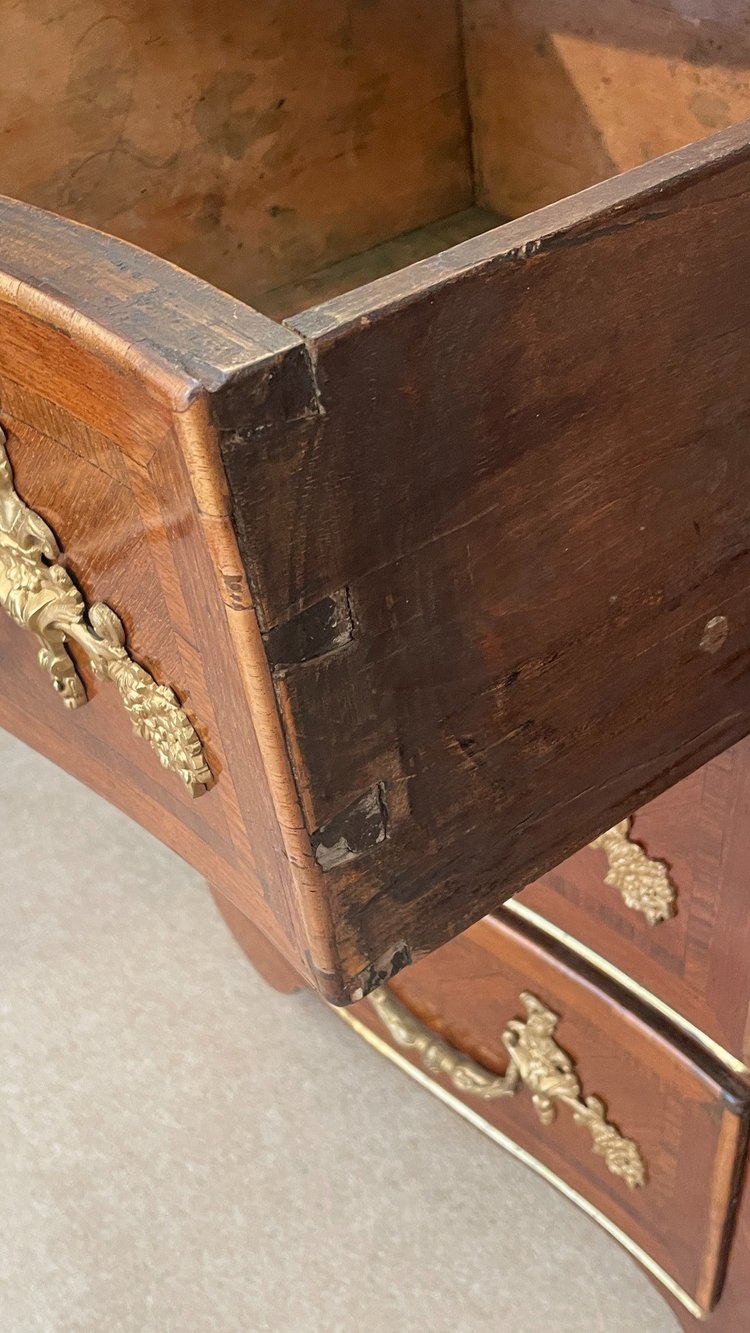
[436,571]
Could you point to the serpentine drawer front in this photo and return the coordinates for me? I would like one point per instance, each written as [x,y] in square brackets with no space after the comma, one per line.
[377,613]
[646,1132]
[689,845]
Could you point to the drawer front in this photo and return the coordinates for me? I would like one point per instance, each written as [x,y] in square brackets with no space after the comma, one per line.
[685,853]
[648,1134]
[116,372]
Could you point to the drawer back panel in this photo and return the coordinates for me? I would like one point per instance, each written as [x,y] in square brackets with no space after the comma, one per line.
[287,152]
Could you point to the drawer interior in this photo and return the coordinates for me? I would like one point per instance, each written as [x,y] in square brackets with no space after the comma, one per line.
[288,152]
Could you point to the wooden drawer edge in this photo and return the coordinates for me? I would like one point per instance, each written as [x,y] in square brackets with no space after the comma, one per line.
[522,1155]
[602,964]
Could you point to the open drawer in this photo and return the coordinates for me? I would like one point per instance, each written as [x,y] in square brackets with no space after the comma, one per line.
[450,571]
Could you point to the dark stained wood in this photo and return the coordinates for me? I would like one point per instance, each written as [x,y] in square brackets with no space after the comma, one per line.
[685,1113]
[498,471]
[698,961]
[529,476]
[436,568]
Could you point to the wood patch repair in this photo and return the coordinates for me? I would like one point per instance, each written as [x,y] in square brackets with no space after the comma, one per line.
[355,830]
[324,627]
[381,971]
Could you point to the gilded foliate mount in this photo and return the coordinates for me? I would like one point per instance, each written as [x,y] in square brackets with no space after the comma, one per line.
[39,595]
[535,1061]
[642,880]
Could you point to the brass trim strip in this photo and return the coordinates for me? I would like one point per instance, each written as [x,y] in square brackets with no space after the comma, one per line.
[634,987]
[527,1159]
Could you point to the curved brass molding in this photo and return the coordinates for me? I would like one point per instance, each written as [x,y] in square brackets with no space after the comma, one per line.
[496,1136]
[642,880]
[535,1060]
[39,595]
[627,983]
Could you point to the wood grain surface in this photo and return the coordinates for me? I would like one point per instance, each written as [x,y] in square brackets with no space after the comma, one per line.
[485,509]
[258,145]
[113,370]
[687,1115]
[697,961]
[564,93]
[434,567]
[249,143]
[528,479]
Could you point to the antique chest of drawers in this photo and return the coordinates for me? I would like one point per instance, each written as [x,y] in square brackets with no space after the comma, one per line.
[621,975]
[420,562]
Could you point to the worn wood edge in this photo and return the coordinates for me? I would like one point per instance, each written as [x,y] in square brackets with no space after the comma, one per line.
[310,903]
[68,284]
[194,392]
[576,217]
[726,1181]
[466,915]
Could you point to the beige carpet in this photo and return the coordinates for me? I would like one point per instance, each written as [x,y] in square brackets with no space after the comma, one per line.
[185,1151]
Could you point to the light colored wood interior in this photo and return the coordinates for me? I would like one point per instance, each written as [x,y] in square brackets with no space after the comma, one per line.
[405,248]
[249,141]
[565,93]
[287,152]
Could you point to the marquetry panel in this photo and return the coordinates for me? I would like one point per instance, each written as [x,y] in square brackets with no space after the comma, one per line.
[696,961]
[99,456]
[681,1110]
